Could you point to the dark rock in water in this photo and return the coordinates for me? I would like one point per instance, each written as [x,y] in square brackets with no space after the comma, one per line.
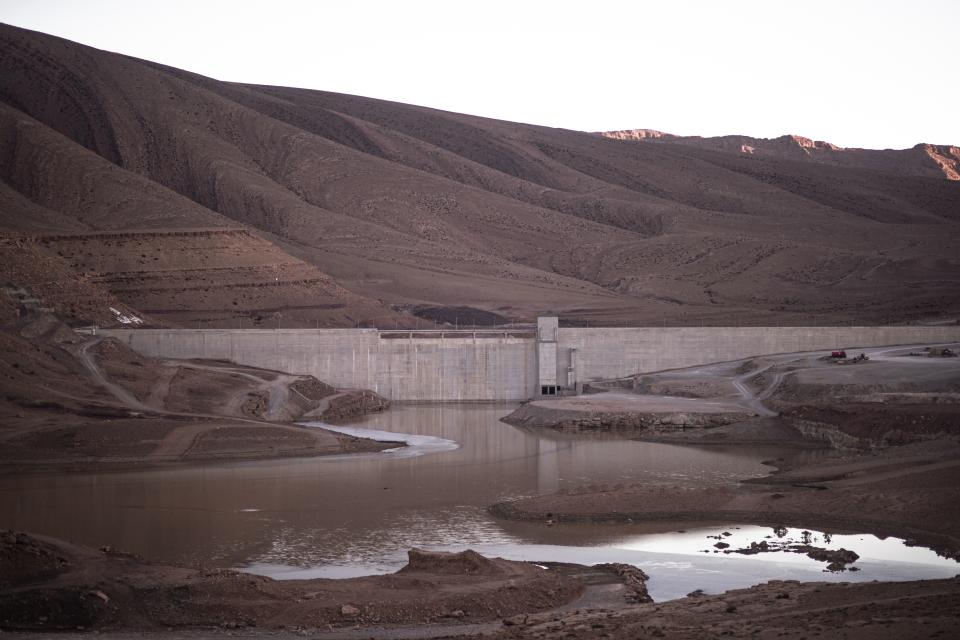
[838,558]
[826,555]
[755,548]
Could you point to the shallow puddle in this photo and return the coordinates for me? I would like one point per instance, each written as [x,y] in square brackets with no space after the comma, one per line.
[682,561]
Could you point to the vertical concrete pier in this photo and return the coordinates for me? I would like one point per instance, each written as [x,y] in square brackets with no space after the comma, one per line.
[548,332]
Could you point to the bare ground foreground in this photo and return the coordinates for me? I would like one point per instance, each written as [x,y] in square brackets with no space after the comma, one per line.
[71,401]
[51,585]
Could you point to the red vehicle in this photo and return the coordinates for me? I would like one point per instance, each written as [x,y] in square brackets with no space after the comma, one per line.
[838,354]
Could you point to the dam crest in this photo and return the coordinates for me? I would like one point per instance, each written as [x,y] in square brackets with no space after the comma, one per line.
[507,364]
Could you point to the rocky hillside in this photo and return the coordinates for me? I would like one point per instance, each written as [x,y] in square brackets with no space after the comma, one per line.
[935,161]
[189,199]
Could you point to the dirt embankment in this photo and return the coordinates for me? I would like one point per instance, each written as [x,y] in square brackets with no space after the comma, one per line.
[777,609]
[70,401]
[889,401]
[48,585]
[625,414]
[348,404]
[223,388]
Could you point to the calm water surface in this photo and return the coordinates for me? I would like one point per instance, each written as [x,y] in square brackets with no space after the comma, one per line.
[353,515]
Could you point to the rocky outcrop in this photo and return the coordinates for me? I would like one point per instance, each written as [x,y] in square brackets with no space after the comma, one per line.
[930,160]
[636,134]
[868,426]
[349,404]
[827,433]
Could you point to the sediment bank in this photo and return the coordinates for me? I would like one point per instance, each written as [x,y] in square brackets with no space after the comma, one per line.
[50,585]
[625,414]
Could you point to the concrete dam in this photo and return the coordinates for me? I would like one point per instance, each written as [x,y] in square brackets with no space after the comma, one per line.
[501,364]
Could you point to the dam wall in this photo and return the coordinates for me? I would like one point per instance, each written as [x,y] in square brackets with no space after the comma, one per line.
[502,365]
[587,354]
[452,366]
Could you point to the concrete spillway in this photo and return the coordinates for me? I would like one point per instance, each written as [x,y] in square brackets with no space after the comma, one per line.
[501,365]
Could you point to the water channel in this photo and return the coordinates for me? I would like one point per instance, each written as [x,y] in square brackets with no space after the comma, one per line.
[356,515]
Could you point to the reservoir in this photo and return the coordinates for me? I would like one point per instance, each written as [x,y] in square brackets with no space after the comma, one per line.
[359,514]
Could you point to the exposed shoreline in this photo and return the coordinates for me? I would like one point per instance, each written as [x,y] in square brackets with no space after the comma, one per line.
[51,585]
[349,446]
[75,404]
[889,424]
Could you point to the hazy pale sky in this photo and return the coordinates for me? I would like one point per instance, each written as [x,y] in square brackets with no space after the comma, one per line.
[866,73]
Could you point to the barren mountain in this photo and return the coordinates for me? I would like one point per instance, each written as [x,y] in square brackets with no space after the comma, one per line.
[189,199]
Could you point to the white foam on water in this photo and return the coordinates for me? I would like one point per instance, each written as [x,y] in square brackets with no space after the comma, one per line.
[415,445]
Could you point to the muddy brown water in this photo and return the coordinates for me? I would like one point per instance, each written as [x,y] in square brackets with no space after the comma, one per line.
[355,515]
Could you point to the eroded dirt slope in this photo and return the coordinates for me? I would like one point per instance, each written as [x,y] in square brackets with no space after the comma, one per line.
[68,400]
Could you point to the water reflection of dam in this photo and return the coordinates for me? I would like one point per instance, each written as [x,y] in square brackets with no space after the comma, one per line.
[349,509]
[496,364]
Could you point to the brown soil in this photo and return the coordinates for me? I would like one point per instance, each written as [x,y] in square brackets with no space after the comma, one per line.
[658,385]
[349,404]
[70,401]
[864,611]
[189,199]
[51,585]
[626,414]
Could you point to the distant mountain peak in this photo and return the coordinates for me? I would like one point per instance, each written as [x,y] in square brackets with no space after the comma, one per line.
[636,134]
[929,160]
[807,143]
